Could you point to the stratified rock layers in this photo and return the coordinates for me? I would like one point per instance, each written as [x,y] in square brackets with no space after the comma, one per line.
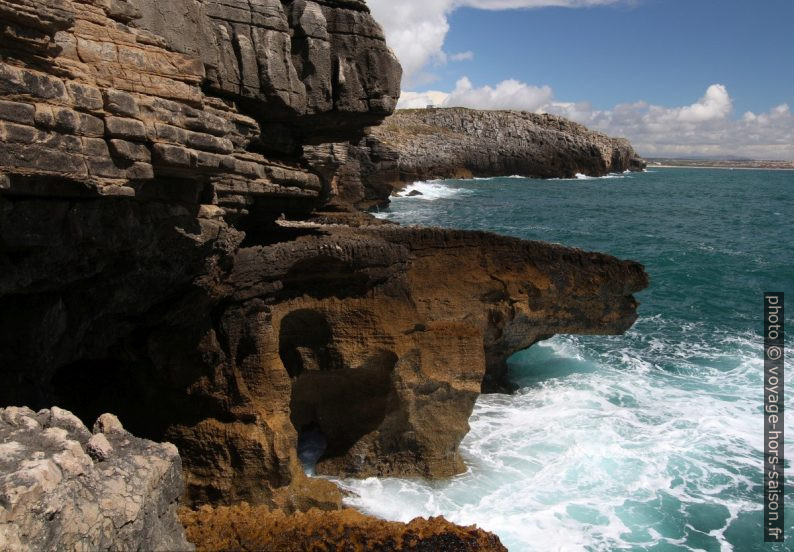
[62,488]
[149,154]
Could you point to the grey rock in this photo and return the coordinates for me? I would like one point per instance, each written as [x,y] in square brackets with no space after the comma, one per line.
[120,103]
[53,496]
[458,142]
[130,151]
[129,129]
[323,66]
[17,112]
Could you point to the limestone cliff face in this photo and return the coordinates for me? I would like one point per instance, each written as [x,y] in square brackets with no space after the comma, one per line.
[461,143]
[154,160]
[311,72]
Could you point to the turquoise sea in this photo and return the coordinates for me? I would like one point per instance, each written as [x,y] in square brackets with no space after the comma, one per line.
[647,441]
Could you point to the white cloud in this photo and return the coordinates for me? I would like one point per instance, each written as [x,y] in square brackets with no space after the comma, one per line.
[416,29]
[704,128]
[509,94]
[462,56]
[420,100]
[714,105]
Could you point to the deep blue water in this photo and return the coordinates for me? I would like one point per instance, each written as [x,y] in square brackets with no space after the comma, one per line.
[647,441]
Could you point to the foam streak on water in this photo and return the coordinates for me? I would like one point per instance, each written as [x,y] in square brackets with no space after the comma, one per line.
[647,441]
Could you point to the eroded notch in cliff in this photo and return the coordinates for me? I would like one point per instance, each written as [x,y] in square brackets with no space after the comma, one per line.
[304,343]
[334,402]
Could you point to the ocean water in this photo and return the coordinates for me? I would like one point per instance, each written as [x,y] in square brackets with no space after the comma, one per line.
[647,441]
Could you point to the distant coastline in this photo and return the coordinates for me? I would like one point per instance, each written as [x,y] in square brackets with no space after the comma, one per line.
[738,164]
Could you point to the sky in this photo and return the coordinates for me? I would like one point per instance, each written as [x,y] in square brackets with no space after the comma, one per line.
[679,78]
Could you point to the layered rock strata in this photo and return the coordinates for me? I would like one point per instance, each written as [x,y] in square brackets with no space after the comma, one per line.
[462,143]
[154,158]
[62,488]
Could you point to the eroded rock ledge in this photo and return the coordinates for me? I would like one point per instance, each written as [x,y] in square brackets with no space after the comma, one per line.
[158,166]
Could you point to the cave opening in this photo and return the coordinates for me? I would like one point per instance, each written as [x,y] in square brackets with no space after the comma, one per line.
[334,403]
[304,342]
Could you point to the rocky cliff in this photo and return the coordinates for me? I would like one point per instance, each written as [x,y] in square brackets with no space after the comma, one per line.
[172,249]
[421,144]
[62,488]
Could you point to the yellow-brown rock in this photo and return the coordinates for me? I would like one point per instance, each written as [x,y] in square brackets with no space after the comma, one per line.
[244,528]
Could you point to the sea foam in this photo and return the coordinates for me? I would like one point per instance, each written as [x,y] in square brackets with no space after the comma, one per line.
[614,452]
[647,441]
[430,190]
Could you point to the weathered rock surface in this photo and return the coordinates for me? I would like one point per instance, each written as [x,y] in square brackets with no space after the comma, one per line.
[113,109]
[244,528]
[461,143]
[299,61]
[403,327]
[62,488]
[148,265]
[362,175]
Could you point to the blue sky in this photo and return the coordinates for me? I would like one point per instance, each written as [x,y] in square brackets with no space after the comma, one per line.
[595,63]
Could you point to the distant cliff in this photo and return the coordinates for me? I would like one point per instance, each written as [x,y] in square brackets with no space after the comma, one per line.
[462,143]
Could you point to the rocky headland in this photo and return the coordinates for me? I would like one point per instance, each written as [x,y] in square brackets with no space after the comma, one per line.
[178,247]
[423,144]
